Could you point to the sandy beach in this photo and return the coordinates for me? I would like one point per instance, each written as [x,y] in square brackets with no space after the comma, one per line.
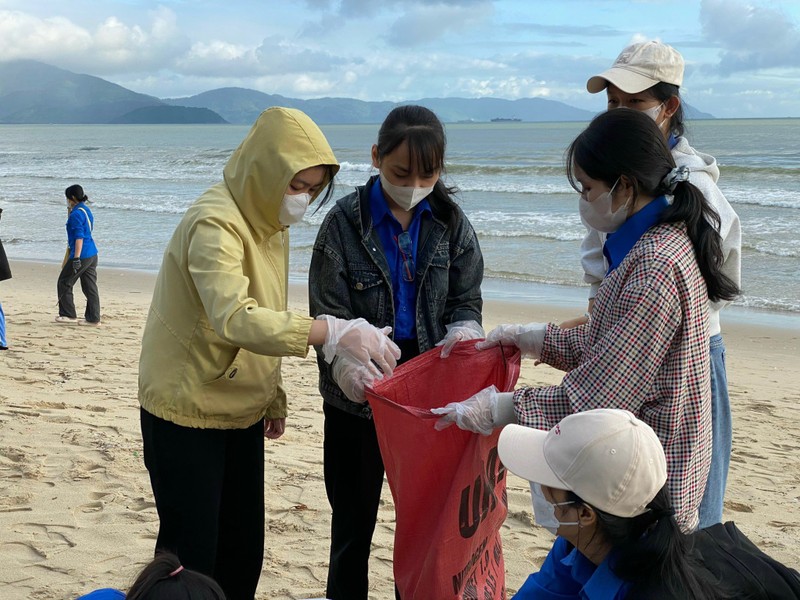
[76,509]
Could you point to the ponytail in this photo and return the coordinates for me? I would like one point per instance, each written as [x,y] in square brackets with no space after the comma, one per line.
[702,226]
[164,578]
[653,555]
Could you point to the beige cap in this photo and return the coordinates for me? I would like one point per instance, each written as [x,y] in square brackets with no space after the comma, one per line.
[607,456]
[639,67]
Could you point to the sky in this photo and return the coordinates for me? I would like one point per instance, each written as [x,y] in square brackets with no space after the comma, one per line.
[742,57]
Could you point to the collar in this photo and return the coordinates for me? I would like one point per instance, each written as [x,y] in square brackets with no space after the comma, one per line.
[380,210]
[598,581]
[619,243]
[672,141]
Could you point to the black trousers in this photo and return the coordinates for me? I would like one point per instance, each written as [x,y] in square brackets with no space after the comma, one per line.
[353,481]
[209,491]
[88,278]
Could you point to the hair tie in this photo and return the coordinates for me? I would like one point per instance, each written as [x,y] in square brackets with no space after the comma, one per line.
[176,571]
[674,177]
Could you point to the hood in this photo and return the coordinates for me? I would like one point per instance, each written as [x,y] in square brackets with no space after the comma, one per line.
[281,143]
[685,155]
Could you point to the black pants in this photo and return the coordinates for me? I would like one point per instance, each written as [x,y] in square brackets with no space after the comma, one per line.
[209,491]
[88,277]
[353,482]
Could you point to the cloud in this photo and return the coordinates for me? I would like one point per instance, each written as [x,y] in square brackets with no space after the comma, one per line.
[275,56]
[425,23]
[751,37]
[113,48]
[569,30]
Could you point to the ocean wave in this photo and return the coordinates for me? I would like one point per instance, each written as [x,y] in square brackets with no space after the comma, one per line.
[727,170]
[527,277]
[752,200]
[561,236]
[771,304]
[355,167]
[148,207]
[768,249]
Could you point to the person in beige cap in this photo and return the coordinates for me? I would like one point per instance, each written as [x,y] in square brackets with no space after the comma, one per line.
[598,482]
[647,77]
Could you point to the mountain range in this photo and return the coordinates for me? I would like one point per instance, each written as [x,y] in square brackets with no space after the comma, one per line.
[34,92]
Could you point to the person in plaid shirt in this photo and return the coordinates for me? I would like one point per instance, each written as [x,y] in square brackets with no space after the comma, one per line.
[645,347]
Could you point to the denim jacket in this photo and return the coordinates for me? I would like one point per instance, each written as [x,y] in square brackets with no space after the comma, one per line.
[349,277]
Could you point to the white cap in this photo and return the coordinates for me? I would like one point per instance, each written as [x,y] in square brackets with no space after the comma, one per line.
[640,67]
[607,456]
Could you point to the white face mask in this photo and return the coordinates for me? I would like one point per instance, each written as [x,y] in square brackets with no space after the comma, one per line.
[293,208]
[653,113]
[598,215]
[544,511]
[406,197]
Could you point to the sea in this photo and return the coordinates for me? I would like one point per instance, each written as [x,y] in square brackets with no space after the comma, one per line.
[141,178]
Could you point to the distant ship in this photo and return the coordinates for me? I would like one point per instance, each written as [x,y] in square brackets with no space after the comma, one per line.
[505,120]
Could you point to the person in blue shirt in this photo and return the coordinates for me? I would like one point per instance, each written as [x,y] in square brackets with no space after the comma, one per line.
[80,262]
[400,253]
[164,578]
[598,482]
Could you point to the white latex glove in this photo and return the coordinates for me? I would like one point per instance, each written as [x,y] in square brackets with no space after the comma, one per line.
[473,414]
[459,331]
[352,378]
[360,342]
[528,338]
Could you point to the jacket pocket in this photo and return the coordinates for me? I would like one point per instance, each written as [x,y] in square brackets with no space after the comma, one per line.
[244,389]
[437,278]
[367,292]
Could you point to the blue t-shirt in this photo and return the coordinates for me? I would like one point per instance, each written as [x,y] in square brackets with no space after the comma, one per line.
[566,574]
[80,224]
[104,594]
[389,230]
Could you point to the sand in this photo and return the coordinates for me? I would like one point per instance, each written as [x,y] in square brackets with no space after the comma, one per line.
[77,513]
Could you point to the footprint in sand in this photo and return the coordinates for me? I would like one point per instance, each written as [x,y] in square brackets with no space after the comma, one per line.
[738,507]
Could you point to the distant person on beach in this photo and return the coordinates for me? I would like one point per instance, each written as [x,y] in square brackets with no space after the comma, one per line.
[647,77]
[645,347]
[210,368]
[597,483]
[399,252]
[5,273]
[164,578]
[80,262]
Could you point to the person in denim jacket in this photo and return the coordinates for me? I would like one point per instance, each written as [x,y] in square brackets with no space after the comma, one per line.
[400,253]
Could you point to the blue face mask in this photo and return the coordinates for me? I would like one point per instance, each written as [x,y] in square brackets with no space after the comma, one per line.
[544,511]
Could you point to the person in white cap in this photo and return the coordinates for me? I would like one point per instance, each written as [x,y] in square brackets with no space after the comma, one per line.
[647,76]
[598,482]
[645,349]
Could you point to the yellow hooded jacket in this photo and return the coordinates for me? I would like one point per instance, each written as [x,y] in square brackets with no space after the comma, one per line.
[218,323]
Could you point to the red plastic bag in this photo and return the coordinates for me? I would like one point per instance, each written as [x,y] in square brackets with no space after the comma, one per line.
[448,486]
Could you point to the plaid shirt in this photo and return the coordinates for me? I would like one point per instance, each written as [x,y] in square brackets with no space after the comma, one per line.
[645,349]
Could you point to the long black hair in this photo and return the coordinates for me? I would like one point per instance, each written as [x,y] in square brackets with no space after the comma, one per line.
[629,143]
[165,579]
[654,555]
[424,133]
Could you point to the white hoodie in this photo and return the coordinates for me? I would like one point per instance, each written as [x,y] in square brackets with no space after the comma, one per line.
[703,174]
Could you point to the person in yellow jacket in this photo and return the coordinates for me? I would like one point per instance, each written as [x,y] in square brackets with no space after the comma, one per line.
[209,373]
